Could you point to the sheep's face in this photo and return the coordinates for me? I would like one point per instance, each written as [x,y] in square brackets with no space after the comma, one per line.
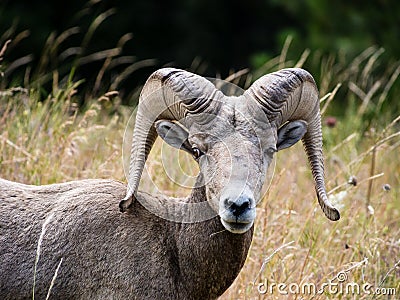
[234,150]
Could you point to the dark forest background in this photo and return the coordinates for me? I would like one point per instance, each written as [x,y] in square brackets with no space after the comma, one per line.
[210,37]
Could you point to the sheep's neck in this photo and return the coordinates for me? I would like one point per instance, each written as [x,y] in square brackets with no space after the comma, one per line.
[210,257]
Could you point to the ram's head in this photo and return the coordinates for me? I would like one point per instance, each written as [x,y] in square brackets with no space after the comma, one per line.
[233,138]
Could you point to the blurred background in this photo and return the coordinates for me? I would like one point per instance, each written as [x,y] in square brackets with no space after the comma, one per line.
[70,76]
[124,41]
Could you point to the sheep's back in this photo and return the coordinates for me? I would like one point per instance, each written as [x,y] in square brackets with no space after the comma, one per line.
[101,249]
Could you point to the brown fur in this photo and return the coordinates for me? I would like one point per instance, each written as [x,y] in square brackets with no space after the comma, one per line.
[107,254]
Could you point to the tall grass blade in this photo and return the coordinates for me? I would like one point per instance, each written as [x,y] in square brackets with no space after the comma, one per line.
[38,250]
[53,280]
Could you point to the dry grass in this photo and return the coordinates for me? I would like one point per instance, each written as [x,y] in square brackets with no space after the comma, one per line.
[321,248]
[47,142]
[52,141]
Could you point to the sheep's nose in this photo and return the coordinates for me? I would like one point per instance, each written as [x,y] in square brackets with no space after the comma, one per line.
[238,206]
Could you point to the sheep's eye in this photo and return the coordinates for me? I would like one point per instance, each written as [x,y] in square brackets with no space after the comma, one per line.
[270,151]
[196,152]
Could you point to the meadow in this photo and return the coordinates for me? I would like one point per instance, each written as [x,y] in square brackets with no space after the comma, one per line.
[57,139]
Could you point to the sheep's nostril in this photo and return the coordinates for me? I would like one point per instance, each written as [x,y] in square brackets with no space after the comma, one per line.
[238,206]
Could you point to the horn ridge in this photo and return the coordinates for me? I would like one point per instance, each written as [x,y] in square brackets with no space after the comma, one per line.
[170,94]
[292,94]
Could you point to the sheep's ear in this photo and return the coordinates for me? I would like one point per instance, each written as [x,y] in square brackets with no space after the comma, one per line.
[173,134]
[290,133]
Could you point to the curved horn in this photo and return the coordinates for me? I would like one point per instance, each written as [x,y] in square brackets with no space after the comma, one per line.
[170,94]
[288,95]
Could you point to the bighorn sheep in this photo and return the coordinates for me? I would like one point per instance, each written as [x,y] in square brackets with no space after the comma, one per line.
[136,253]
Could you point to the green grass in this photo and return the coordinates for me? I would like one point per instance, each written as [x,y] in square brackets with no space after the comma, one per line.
[54,140]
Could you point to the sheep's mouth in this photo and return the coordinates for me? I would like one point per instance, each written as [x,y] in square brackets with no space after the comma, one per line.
[237,227]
